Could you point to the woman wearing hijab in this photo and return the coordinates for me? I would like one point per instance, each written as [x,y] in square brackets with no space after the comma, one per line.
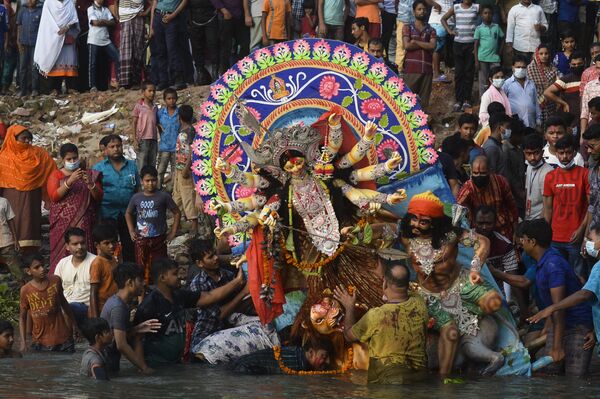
[75,194]
[55,52]
[543,73]
[24,171]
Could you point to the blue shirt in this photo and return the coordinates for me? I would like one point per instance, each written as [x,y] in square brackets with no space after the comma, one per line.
[568,10]
[170,129]
[593,285]
[118,187]
[554,271]
[29,22]
[3,23]
[523,100]
[405,12]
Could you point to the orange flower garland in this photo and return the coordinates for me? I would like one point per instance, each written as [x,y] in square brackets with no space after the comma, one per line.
[345,367]
[303,265]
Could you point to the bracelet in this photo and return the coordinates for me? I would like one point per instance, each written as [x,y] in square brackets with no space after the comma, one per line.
[67,186]
[476,264]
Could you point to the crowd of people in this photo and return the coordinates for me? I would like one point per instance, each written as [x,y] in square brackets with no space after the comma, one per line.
[526,168]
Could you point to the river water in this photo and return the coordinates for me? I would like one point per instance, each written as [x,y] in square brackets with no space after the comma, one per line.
[57,376]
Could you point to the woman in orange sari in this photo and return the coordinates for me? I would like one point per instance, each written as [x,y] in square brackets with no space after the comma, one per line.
[75,194]
[24,171]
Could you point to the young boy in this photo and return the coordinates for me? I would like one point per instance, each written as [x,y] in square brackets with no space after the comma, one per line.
[52,318]
[130,283]
[314,356]
[488,46]
[466,21]
[9,245]
[98,333]
[467,126]
[212,277]
[167,304]
[148,227]
[102,284]
[100,19]
[168,126]
[7,339]
[184,194]
[28,22]
[276,21]
[145,132]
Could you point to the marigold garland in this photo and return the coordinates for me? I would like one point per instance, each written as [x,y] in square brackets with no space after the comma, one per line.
[345,367]
[303,265]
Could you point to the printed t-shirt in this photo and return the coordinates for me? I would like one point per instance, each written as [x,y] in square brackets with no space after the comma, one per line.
[49,326]
[101,273]
[167,344]
[276,18]
[570,189]
[182,148]
[151,212]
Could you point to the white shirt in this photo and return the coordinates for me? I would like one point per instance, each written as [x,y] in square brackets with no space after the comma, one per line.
[520,31]
[75,280]
[98,35]
[553,160]
[436,17]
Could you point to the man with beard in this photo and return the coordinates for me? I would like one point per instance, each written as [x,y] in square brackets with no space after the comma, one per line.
[120,180]
[456,297]
[484,188]
[419,41]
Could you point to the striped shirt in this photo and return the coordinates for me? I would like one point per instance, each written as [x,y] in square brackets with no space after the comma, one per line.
[129,9]
[466,22]
[569,88]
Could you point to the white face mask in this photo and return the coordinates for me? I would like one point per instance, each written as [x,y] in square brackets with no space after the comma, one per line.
[536,165]
[567,166]
[498,83]
[520,73]
[72,165]
[590,248]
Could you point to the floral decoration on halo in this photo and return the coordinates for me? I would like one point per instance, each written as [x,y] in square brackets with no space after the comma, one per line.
[372,107]
[329,87]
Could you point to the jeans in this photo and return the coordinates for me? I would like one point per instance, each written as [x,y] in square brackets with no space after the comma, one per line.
[80,311]
[572,253]
[30,78]
[167,49]
[147,153]
[232,29]
[11,59]
[110,50]
[464,66]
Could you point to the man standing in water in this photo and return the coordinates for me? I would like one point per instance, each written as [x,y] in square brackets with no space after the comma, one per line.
[395,332]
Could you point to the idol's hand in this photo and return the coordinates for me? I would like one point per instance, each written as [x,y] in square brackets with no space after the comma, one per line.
[217,205]
[222,166]
[394,161]
[370,130]
[221,231]
[396,197]
[334,119]
[475,278]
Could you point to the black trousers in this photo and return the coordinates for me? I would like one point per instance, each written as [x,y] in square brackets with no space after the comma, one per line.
[464,67]
[388,24]
[234,35]
[205,39]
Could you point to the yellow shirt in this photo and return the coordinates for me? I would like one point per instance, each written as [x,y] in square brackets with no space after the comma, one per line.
[483,135]
[396,333]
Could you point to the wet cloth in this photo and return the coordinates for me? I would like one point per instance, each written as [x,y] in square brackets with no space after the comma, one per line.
[49,327]
[93,364]
[116,313]
[49,45]
[396,336]
[167,344]
[247,336]
[263,361]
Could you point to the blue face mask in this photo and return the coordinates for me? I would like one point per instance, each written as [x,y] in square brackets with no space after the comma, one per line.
[590,249]
[71,166]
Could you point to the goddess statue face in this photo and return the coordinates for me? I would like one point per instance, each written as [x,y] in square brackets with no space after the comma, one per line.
[326,316]
[294,166]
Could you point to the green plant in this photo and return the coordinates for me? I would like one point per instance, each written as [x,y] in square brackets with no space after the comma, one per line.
[9,303]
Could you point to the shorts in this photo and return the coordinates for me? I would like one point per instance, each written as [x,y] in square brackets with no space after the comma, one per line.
[470,295]
[441,37]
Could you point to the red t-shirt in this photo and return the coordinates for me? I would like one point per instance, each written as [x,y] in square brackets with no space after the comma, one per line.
[570,189]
